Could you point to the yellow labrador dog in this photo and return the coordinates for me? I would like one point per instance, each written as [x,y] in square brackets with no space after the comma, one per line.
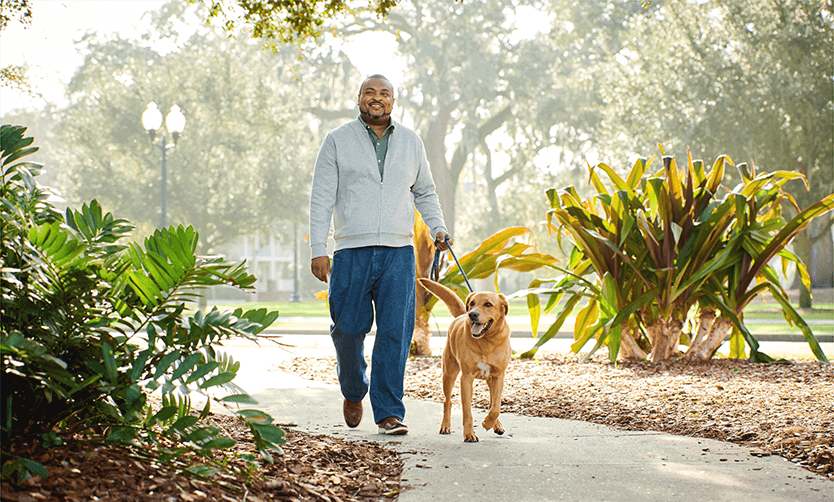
[478,346]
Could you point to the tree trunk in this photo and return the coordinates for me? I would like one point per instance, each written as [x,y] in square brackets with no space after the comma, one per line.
[822,252]
[712,331]
[629,349]
[421,339]
[664,336]
[445,183]
[424,259]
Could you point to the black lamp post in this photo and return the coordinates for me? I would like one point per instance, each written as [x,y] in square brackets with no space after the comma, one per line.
[296,293]
[174,124]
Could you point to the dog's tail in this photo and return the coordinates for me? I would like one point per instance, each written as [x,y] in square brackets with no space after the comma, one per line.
[450,298]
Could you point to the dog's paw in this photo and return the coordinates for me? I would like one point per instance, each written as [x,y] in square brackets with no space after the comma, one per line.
[471,438]
[498,427]
[445,429]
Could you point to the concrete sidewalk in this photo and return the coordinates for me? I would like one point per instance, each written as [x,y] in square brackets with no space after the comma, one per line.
[537,459]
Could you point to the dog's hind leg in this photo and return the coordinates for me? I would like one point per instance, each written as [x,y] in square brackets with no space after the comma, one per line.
[450,374]
[496,387]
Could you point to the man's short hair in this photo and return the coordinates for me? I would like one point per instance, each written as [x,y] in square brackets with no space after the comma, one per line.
[379,76]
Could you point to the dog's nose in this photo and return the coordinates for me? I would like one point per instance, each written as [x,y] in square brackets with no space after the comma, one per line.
[474,315]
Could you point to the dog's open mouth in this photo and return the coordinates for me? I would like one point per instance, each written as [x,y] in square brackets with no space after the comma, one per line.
[479,328]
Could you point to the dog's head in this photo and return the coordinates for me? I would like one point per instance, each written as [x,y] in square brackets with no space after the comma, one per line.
[485,310]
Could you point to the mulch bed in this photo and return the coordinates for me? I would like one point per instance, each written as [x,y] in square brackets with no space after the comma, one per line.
[776,409]
[313,467]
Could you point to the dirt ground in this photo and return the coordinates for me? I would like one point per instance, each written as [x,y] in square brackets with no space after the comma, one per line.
[312,468]
[776,409]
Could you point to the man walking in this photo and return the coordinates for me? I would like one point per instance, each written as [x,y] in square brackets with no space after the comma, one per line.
[369,175]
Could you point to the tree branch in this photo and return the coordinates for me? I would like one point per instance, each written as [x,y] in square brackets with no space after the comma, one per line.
[325,114]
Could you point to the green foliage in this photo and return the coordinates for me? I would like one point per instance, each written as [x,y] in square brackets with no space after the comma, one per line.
[91,326]
[288,20]
[745,76]
[651,249]
[503,250]
[230,173]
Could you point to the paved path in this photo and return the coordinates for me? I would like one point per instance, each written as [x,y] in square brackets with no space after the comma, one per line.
[538,459]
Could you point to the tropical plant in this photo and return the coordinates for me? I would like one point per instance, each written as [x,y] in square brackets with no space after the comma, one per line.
[504,249]
[658,252]
[92,326]
[747,76]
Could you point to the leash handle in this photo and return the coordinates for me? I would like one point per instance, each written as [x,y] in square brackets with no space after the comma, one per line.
[436,266]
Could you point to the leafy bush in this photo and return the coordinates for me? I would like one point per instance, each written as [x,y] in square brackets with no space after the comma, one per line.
[501,250]
[657,252]
[91,326]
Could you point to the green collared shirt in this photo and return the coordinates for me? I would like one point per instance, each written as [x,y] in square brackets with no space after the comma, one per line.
[380,144]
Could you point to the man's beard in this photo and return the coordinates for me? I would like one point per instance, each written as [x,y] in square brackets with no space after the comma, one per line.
[375,116]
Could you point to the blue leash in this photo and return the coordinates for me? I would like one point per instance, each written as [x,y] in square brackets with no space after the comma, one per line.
[435,268]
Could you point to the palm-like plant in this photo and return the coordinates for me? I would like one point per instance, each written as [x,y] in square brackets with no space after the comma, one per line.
[503,249]
[657,247]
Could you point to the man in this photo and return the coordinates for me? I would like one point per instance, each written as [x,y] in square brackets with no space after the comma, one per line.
[369,175]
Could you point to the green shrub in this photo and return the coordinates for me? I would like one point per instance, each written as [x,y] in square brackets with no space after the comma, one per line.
[654,253]
[91,326]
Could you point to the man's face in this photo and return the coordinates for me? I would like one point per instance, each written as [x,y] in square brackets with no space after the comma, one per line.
[376,100]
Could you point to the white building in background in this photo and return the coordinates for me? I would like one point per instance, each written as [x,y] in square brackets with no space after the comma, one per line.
[271,261]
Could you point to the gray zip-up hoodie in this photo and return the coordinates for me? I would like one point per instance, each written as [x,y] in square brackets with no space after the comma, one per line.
[371,209]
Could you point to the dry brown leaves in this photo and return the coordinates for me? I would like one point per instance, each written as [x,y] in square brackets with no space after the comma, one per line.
[778,409]
[312,468]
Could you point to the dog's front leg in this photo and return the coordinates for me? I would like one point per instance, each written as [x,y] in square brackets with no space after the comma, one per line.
[466,380]
[496,388]
[450,374]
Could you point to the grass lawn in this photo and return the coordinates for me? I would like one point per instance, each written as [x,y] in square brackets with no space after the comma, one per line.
[518,307]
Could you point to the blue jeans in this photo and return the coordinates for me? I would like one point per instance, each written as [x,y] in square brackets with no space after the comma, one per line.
[363,281]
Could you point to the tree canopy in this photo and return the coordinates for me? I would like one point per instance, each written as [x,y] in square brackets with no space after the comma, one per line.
[241,162]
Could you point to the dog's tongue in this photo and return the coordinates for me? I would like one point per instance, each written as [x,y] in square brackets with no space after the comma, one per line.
[478,328]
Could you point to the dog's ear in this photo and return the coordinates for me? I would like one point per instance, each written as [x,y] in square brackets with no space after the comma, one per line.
[504,304]
[469,297]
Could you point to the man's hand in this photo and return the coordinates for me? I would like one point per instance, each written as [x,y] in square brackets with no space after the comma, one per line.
[440,241]
[320,267]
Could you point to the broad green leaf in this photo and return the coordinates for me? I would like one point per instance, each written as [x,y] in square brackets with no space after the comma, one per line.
[256,416]
[609,303]
[788,232]
[166,362]
[187,364]
[218,444]
[554,328]
[202,471]
[165,413]
[534,307]
[791,315]
[239,399]
[616,180]
[269,433]
[109,361]
[586,317]
[221,379]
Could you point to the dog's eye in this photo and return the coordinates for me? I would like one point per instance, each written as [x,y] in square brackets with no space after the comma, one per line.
[487,304]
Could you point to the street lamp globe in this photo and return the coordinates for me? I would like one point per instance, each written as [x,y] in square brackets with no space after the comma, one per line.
[175,122]
[152,118]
